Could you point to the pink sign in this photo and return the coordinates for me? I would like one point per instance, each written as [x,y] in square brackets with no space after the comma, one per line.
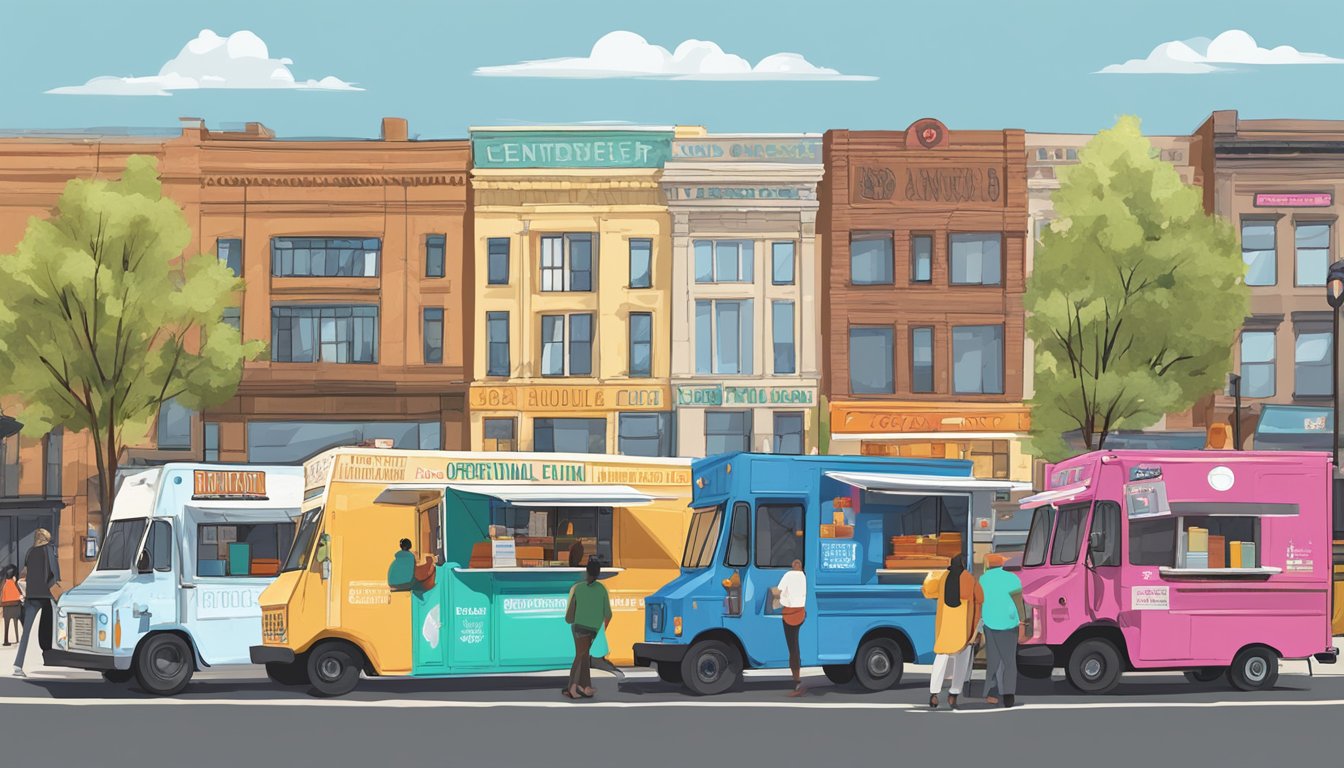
[1293,200]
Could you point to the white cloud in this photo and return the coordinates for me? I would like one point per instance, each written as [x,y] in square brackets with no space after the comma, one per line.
[628,55]
[1201,55]
[239,61]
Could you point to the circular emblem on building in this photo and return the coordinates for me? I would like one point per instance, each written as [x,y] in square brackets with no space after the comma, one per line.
[1221,478]
[930,134]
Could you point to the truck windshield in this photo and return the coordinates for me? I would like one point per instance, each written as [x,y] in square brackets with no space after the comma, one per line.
[303,540]
[703,537]
[123,542]
[1038,538]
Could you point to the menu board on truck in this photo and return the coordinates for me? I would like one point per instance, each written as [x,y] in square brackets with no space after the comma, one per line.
[1146,499]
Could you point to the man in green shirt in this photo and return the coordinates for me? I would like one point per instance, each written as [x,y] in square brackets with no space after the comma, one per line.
[1002,626]
[589,610]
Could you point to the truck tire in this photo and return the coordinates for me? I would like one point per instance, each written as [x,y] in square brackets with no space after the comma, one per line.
[1204,674]
[840,674]
[879,664]
[288,673]
[118,676]
[164,664]
[333,668]
[711,667]
[1094,666]
[669,671]
[1254,669]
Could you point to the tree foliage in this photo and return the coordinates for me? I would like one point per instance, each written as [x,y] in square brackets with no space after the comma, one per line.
[1135,298]
[103,318]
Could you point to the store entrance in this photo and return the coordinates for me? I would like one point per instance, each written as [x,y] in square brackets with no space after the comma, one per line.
[16,534]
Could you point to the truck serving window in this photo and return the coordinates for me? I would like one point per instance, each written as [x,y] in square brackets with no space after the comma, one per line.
[703,537]
[1152,542]
[1038,538]
[1068,535]
[779,535]
[303,540]
[256,549]
[123,541]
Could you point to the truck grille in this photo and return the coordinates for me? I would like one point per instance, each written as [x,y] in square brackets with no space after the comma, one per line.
[273,626]
[81,630]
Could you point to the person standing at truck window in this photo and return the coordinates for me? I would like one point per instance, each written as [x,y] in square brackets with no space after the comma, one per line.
[588,612]
[958,614]
[793,600]
[1002,628]
[401,573]
[43,574]
[11,601]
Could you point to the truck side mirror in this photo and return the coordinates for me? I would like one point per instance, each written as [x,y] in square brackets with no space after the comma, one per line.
[1096,541]
[143,563]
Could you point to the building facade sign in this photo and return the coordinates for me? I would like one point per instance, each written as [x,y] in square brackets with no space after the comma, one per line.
[1293,199]
[741,193]
[569,149]
[748,150]
[875,181]
[858,419]
[597,397]
[714,395]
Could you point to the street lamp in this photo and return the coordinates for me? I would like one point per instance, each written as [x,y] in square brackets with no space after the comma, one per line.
[1234,384]
[1334,295]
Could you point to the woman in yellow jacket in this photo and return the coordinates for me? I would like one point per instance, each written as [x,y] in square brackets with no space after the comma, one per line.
[959,600]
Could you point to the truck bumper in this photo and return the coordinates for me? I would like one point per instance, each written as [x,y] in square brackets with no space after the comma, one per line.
[1328,656]
[1036,657]
[648,653]
[269,654]
[97,661]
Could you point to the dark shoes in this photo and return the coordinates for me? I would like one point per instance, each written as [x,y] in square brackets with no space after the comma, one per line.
[1009,701]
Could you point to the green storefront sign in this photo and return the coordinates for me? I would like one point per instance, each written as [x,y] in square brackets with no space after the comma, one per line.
[720,394]
[571,149]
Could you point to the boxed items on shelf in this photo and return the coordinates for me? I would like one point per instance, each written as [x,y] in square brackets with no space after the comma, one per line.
[530,556]
[837,531]
[1243,554]
[921,552]
[1217,551]
[503,553]
[481,555]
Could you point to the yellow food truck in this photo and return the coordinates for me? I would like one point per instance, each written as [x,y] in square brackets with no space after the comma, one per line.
[430,563]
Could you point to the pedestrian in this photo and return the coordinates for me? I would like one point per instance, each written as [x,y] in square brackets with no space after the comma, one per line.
[792,591]
[11,601]
[604,664]
[958,614]
[1003,626]
[42,573]
[401,573]
[588,612]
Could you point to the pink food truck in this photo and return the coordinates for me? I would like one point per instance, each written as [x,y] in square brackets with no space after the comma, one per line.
[1209,562]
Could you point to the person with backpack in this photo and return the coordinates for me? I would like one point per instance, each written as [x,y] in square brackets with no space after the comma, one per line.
[11,601]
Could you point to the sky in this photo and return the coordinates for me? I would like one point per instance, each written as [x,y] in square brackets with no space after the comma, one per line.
[863,64]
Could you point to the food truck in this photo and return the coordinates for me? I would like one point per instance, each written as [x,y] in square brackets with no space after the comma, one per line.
[868,531]
[506,535]
[1209,562]
[176,587]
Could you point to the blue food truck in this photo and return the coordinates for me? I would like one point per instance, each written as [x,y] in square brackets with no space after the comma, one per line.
[176,588]
[868,531]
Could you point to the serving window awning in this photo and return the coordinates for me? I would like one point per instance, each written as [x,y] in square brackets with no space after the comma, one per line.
[1055,496]
[905,484]
[532,495]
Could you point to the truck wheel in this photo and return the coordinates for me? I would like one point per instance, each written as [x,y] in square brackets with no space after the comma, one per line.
[1094,666]
[118,676]
[1254,669]
[291,673]
[840,674]
[1204,674]
[879,664]
[164,665]
[333,668]
[711,667]
[669,672]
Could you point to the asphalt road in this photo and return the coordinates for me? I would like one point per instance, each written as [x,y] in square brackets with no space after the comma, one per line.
[231,719]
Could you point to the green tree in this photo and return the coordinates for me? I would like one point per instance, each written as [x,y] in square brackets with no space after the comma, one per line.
[1135,299]
[103,317]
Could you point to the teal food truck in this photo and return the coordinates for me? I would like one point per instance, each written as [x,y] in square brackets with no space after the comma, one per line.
[868,530]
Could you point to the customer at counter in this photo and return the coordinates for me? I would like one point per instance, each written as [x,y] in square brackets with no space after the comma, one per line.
[1002,626]
[588,612]
[958,614]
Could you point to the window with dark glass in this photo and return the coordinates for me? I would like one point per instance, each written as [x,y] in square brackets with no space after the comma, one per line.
[432,331]
[724,261]
[500,434]
[921,258]
[871,260]
[1258,251]
[567,262]
[738,554]
[644,434]
[580,345]
[211,441]
[1038,536]
[871,360]
[497,261]
[977,359]
[921,359]
[641,263]
[325,256]
[1106,524]
[727,431]
[1152,541]
[159,545]
[239,551]
[230,250]
[174,426]
[497,335]
[781,326]
[232,317]
[779,535]
[1257,363]
[788,433]
[121,544]
[9,465]
[1068,535]
[723,336]
[641,344]
[580,357]
[702,537]
[328,334]
[781,263]
[569,435]
[1311,364]
[1312,240]
[976,258]
[435,249]
[53,450]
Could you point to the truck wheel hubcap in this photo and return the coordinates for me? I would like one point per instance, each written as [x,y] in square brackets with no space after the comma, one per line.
[1092,668]
[879,664]
[168,662]
[710,667]
[1256,669]
[330,668]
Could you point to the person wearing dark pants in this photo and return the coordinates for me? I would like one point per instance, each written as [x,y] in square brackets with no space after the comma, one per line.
[588,611]
[793,600]
[43,573]
[1002,626]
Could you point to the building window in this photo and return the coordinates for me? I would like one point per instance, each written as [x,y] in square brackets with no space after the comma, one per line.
[9,466]
[174,428]
[1257,363]
[435,248]
[921,359]
[53,449]
[291,442]
[781,326]
[497,261]
[641,263]
[1258,251]
[727,431]
[433,334]
[1070,154]
[871,259]
[781,263]
[497,335]
[211,441]
[989,459]
[567,262]
[977,359]
[976,258]
[723,336]
[1042,154]
[569,435]
[723,261]
[230,250]
[325,256]
[233,317]
[789,433]
[644,434]
[1311,362]
[1313,252]
[580,362]
[328,334]
[921,259]
[641,344]
[871,360]
[500,434]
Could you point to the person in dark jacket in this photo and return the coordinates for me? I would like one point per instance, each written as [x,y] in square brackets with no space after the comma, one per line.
[43,573]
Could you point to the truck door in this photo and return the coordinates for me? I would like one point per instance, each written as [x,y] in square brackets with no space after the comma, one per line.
[156,577]
[1103,561]
[235,561]
[428,610]
[780,538]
